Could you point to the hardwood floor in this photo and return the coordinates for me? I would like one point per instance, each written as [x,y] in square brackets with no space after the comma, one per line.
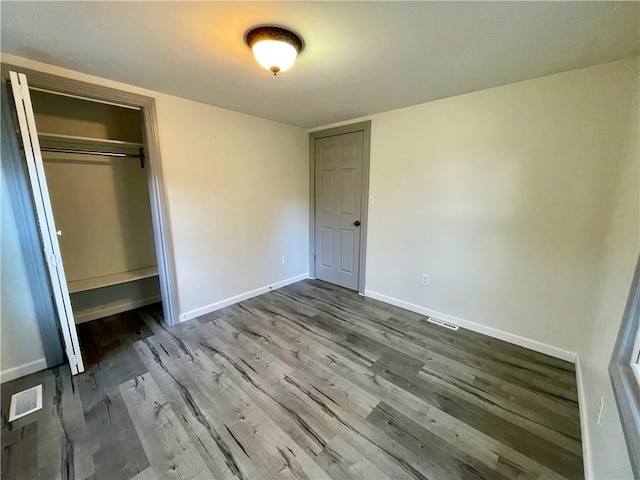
[309,381]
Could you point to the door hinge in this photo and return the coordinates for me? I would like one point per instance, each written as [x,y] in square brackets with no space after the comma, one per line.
[73,361]
[51,260]
[24,90]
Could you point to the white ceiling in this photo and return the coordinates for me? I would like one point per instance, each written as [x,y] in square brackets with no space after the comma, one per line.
[360,57]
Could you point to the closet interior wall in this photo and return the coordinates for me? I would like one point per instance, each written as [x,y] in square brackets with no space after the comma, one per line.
[100,203]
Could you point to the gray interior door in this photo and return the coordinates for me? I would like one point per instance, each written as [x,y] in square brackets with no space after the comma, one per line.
[338,176]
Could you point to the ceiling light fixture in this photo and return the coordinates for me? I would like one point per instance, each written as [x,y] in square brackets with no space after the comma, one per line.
[275,48]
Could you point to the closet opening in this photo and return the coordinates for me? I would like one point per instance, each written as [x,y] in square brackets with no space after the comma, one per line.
[93,156]
[92,173]
[94,162]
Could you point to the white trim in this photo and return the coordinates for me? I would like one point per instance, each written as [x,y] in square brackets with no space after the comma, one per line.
[476,327]
[22,370]
[198,312]
[584,424]
[112,309]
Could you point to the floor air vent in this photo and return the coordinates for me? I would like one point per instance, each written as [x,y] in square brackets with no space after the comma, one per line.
[450,326]
[25,402]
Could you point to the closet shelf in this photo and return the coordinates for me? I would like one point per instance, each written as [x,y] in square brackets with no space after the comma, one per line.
[86,141]
[113,279]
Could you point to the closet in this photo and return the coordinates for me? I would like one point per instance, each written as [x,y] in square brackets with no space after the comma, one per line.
[94,162]
[92,174]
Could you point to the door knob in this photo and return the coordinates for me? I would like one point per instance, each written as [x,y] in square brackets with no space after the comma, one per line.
[357,223]
[59,233]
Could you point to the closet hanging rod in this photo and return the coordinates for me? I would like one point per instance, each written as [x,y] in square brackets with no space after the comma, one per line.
[91,152]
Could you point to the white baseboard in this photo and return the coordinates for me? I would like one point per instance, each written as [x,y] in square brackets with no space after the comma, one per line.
[112,309]
[476,327]
[584,424]
[22,370]
[198,312]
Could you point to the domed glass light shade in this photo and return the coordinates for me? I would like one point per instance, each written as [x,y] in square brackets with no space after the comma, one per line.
[275,48]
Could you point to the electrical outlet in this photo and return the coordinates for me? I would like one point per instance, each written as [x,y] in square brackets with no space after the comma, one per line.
[371,200]
[600,410]
[425,279]
[284,259]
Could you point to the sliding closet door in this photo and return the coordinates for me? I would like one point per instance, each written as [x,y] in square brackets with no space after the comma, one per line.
[40,192]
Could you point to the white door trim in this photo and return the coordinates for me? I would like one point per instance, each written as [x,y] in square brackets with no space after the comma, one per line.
[46,224]
[364,127]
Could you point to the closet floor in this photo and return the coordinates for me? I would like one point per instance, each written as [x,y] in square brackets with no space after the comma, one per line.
[309,381]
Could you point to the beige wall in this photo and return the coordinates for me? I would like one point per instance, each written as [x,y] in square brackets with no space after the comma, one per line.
[502,196]
[620,253]
[238,193]
[22,351]
[237,190]
[71,116]
[516,202]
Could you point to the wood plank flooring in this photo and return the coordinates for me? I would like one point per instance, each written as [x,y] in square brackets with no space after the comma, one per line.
[309,381]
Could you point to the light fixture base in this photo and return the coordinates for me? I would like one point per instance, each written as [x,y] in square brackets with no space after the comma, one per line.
[257,34]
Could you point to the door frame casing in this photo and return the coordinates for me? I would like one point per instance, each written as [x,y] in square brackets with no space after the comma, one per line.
[157,192]
[364,127]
